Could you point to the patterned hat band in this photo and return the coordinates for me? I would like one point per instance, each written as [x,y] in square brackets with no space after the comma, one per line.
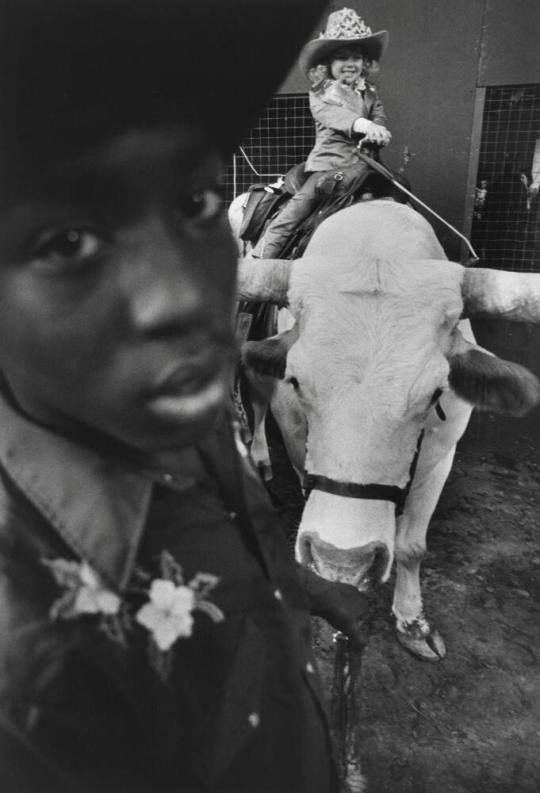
[345,24]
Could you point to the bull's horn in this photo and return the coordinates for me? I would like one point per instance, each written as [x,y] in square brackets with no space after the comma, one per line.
[264,280]
[499,293]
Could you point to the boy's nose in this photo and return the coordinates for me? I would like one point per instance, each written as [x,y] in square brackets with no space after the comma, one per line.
[165,305]
[165,289]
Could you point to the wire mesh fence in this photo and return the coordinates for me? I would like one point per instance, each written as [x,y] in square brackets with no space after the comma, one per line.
[506,222]
[282,137]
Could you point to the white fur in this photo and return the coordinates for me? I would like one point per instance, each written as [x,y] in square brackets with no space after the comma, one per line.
[375,327]
[377,307]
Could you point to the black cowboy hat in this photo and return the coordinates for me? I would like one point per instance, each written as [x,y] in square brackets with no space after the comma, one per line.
[72,70]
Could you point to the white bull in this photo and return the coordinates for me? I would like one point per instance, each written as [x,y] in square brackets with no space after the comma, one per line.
[378,359]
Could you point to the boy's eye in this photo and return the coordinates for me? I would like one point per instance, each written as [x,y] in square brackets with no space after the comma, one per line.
[66,247]
[201,204]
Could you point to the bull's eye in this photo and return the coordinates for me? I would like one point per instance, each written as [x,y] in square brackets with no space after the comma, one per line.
[294,382]
[437,394]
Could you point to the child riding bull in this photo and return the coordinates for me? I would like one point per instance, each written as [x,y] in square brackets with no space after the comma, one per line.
[346,110]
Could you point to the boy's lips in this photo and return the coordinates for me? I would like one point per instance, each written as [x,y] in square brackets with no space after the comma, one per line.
[187,389]
[189,406]
[180,378]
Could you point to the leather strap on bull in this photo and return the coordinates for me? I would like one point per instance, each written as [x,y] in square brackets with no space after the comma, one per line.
[376,492]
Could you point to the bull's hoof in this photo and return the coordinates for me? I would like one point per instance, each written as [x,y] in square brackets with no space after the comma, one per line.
[419,639]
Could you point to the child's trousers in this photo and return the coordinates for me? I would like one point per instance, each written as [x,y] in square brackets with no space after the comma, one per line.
[298,209]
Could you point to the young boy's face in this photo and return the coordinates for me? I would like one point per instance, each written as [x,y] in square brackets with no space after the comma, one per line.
[117,290]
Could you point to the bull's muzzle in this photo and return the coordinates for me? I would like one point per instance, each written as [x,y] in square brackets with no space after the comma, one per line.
[363,566]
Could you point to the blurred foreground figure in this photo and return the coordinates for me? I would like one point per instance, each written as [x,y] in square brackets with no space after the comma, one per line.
[155,633]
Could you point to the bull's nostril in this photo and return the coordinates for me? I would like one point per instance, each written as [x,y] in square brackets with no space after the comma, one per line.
[362,566]
[374,568]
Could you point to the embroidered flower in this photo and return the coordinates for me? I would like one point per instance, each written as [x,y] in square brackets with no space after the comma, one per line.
[168,614]
[84,591]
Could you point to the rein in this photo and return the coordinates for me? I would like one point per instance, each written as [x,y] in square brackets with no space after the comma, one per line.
[380,168]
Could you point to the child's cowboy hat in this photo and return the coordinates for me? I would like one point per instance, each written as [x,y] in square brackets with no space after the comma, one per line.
[343,27]
[72,72]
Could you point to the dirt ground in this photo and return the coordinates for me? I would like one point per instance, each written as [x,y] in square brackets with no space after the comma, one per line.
[469,723]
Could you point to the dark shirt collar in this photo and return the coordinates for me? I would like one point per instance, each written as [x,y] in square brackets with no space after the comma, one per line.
[97,503]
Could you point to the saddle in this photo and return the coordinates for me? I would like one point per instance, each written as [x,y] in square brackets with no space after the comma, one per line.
[264,201]
[337,188]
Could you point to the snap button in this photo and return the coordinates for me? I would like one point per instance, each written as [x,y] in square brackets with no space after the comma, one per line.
[277,594]
[168,478]
[254,719]
[310,668]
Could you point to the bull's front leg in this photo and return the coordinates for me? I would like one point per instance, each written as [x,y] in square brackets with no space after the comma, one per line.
[413,629]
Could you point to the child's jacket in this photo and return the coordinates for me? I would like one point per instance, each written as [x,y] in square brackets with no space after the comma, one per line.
[335,107]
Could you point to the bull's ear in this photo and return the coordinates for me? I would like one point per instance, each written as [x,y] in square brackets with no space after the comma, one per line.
[490,383]
[269,356]
[265,357]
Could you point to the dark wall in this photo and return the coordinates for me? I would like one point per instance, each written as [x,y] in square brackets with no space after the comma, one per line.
[510,48]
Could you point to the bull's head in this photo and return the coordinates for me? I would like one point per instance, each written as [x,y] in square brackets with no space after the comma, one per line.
[368,362]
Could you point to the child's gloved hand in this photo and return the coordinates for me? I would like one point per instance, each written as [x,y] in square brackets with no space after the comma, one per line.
[378,134]
[374,133]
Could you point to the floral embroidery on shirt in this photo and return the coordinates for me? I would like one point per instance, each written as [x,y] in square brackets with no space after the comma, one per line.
[167,613]
[84,591]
